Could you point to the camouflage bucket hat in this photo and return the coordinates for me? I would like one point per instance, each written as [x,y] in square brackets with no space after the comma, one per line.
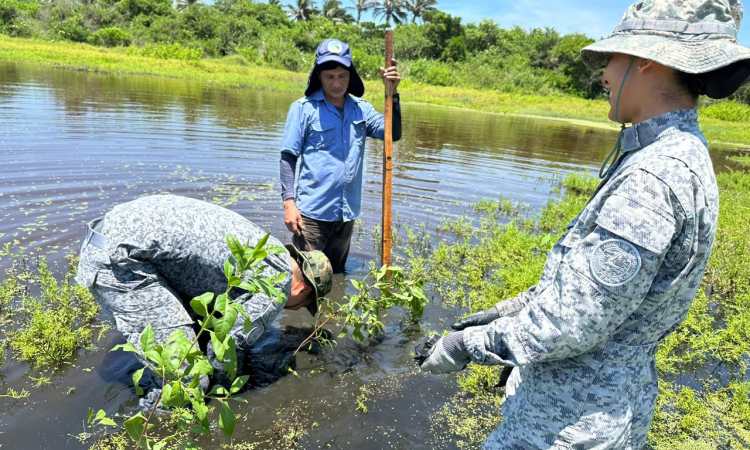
[317,270]
[692,36]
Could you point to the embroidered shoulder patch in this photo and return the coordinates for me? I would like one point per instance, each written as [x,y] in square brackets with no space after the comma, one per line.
[615,262]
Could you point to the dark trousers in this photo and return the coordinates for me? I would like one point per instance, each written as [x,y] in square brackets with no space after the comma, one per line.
[332,238]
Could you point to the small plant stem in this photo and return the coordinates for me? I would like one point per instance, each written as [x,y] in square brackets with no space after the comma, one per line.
[150,415]
[200,332]
[312,336]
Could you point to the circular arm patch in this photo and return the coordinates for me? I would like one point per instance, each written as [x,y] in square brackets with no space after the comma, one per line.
[614,262]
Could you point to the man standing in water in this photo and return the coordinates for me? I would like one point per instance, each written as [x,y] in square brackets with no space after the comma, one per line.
[325,135]
[149,257]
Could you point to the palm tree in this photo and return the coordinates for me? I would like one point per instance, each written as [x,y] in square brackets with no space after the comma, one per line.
[274,2]
[182,5]
[417,8]
[361,6]
[302,10]
[332,10]
[391,9]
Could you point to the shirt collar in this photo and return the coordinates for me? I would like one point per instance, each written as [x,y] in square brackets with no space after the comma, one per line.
[320,97]
[647,132]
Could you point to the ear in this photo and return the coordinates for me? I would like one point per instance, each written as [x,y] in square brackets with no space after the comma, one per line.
[645,65]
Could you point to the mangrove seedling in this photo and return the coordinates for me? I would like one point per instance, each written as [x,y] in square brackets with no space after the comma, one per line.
[362,313]
[179,362]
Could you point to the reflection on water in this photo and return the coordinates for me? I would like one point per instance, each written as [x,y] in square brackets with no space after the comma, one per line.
[73,144]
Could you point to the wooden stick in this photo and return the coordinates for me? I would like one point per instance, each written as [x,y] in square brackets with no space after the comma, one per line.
[387,159]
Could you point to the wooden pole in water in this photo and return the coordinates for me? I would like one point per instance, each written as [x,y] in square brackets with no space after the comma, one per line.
[387,159]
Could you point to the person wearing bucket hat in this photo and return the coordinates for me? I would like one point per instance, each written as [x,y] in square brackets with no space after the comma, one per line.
[325,136]
[622,277]
[147,258]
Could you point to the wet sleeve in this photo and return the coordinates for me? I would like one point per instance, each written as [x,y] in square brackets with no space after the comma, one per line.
[294,130]
[599,283]
[376,121]
[287,167]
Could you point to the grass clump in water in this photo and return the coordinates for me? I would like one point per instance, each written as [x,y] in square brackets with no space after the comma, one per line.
[704,396]
[45,331]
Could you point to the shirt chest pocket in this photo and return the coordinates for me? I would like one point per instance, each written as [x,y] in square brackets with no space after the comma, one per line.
[359,131]
[321,134]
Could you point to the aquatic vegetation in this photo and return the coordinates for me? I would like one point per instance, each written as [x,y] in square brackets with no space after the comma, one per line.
[704,396]
[363,313]
[48,330]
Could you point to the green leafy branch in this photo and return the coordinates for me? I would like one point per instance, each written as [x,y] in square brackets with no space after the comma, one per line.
[362,313]
[180,363]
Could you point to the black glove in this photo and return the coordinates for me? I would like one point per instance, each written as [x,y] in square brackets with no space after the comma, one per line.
[423,350]
[446,355]
[480,318]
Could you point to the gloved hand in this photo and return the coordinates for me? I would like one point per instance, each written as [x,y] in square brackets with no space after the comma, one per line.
[480,318]
[445,355]
[422,352]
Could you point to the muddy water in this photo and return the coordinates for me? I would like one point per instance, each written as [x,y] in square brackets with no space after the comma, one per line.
[74,144]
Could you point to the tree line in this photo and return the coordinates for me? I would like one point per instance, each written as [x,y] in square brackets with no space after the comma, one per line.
[432,46]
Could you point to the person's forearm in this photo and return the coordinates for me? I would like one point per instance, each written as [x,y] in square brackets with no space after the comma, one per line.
[396,117]
[287,167]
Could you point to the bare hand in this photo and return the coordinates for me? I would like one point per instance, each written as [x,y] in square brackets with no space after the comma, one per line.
[390,76]
[292,218]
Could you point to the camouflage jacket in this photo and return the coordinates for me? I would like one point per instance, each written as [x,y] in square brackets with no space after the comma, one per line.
[163,250]
[619,280]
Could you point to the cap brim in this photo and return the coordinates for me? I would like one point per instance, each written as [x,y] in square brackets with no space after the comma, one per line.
[683,55]
[307,274]
[339,59]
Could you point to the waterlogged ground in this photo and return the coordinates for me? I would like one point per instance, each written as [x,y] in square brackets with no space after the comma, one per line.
[74,144]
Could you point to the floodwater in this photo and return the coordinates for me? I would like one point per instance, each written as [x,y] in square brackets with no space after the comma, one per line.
[73,144]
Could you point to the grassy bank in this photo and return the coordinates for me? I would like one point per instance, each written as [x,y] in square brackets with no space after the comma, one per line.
[236,72]
[704,393]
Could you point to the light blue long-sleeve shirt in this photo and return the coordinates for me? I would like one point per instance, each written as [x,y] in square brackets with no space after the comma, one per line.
[329,146]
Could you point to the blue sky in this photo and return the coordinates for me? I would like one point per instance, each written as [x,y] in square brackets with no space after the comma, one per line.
[596,19]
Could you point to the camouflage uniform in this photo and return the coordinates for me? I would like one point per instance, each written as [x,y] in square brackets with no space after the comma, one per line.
[163,250]
[620,279]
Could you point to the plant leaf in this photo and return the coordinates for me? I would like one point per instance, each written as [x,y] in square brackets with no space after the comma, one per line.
[125,347]
[219,347]
[202,367]
[148,339]
[228,269]
[224,324]
[200,303]
[238,383]
[136,379]
[134,426]
[238,251]
[227,419]
[230,367]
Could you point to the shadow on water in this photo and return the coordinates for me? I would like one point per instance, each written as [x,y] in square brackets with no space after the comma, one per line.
[74,144]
